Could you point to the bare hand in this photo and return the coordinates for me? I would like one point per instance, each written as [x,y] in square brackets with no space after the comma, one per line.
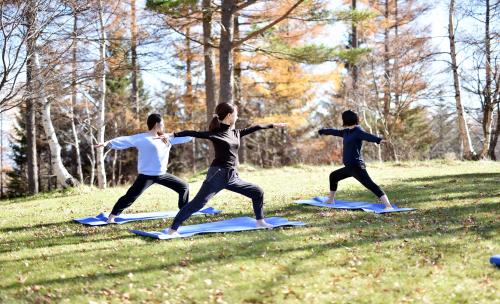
[384,141]
[101,145]
[280,125]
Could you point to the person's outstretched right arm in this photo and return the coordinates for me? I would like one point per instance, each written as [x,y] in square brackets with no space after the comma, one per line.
[197,134]
[119,143]
[327,131]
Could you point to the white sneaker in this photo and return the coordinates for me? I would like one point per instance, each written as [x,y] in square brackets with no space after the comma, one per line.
[262,224]
[111,219]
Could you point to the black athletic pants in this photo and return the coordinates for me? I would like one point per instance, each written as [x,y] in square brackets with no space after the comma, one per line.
[359,173]
[144,181]
[219,178]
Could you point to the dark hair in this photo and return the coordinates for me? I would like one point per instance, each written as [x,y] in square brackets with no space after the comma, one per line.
[221,111]
[349,118]
[153,119]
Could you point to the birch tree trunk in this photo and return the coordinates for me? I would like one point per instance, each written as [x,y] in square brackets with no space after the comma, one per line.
[101,171]
[63,177]
[73,97]
[468,149]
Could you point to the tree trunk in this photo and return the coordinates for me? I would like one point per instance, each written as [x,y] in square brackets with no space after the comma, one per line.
[354,45]
[1,155]
[31,149]
[225,54]
[209,60]
[494,141]
[73,98]
[63,177]
[488,106]
[387,87]
[101,171]
[92,149]
[387,72]
[189,95]
[238,88]
[468,149]
[134,93]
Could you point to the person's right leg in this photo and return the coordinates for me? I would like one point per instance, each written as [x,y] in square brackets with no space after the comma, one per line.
[178,185]
[254,192]
[141,183]
[216,180]
[362,176]
[335,177]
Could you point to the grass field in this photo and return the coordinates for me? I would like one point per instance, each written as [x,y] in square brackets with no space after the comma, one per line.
[437,254]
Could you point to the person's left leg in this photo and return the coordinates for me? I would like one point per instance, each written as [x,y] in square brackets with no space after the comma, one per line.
[178,185]
[335,177]
[362,176]
[254,192]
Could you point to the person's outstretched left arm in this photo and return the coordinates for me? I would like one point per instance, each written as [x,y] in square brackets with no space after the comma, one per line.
[249,130]
[368,137]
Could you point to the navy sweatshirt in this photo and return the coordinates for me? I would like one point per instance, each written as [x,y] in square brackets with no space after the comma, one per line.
[226,142]
[353,142]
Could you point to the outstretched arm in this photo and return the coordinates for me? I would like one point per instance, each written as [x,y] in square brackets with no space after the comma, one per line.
[191,133]
[119,143]
[249,130]
[180,140]
[369,137]
[327,131]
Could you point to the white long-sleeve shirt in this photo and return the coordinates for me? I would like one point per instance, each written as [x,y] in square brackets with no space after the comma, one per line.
[153,153]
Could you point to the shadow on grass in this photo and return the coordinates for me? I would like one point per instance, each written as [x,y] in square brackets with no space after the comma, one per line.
[214,250]
[443,220]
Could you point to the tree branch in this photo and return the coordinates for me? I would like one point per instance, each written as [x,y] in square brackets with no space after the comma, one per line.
[265,28]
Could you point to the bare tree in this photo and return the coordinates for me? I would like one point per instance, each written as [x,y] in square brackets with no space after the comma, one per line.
[74,76]
[13,38]
[30,15]
[134,93]
[463,128]
[101,124]
[63,177]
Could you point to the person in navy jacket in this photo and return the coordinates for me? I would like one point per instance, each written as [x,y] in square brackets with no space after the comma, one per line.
[354,165]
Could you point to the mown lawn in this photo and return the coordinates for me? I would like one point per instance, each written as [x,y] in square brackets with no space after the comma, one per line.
[437,254]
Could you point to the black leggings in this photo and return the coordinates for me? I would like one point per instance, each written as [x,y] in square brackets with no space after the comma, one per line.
[144,181]
[358,173]
[219,178]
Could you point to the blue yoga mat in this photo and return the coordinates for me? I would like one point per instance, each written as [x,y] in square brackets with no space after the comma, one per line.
[100,219]
[495,260]
[368,207]
[231,225]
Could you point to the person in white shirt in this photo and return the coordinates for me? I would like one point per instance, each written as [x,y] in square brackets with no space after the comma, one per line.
[153,147]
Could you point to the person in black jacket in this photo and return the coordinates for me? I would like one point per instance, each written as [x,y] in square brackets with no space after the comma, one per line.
[222,173]
[354,166]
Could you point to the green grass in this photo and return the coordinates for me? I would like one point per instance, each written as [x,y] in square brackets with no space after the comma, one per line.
[438,254]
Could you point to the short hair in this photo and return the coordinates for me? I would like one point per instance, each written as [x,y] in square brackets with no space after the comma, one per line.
[349,118]
[153,119]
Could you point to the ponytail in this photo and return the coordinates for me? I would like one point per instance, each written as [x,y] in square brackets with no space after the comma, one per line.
[214,124]
[221,111]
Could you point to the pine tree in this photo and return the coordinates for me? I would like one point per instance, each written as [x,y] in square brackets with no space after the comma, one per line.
[17,178]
